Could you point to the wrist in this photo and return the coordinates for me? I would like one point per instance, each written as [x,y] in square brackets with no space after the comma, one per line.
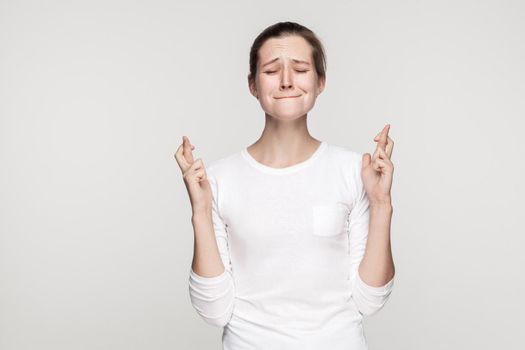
[381,204]
[200,214]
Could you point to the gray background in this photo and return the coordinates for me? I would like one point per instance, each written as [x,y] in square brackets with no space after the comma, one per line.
[96,240]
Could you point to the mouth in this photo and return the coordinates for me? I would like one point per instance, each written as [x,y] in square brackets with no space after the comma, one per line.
[279,98]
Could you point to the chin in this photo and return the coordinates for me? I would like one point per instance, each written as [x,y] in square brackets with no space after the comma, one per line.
[287,112]
[288,115]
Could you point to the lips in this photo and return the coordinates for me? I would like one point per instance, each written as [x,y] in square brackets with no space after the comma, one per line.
[287,97]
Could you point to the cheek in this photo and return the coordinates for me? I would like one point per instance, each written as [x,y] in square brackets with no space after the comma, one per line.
[307,83]
[267,82]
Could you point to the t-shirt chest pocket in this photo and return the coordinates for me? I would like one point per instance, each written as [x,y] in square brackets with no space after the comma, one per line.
[329,219]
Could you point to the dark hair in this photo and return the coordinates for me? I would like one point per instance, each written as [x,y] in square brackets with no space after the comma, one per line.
[283,29]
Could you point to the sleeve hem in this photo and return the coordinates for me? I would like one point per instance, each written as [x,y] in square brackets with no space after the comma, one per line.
[208,280]
[375,290]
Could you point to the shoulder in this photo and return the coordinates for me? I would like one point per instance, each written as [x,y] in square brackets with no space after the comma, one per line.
[345,155]
[349,162]
[223,165]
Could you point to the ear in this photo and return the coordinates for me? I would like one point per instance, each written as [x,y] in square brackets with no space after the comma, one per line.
[251,86]
[322,83]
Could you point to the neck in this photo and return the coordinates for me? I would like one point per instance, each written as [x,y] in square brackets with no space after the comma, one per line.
[284,143]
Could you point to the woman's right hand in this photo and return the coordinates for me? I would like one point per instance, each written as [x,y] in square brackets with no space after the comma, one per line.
[195,178]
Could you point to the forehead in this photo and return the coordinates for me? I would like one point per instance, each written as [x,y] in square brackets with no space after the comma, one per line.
[288,47]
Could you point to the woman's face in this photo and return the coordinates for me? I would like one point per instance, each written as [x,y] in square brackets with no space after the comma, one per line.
[286,83]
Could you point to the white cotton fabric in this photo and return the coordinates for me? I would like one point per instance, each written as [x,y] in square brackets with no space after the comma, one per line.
[291,240]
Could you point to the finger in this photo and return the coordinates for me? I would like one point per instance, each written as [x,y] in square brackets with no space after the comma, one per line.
[187,149]
[382,166]
[377,165]
[194,179]
[179,156]
[388,163]
[376,139]
[365,160]
[199,175]
[383,154]
[389,147]
[181,160]
[376,153]
[382,142]
[197,165]
[383,137]
[378,136]
[383,157]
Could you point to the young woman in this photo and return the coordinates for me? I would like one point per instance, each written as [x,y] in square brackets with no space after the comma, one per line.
[292,234]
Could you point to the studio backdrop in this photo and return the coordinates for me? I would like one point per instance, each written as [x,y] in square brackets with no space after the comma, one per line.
[96,240]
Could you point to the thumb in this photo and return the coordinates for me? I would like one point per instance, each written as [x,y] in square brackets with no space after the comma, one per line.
[366,160]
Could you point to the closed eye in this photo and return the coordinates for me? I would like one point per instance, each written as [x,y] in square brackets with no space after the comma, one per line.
[273,71]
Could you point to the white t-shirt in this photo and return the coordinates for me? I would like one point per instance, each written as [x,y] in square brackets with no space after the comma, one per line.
[291,240]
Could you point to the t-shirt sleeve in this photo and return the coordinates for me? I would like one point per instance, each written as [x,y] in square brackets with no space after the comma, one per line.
[368,299]
[213,297]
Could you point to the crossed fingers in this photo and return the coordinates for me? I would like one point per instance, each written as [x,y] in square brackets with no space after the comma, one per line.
[183,155]
[385,144]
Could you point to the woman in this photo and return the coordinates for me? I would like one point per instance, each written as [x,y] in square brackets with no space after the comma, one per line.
[292,234]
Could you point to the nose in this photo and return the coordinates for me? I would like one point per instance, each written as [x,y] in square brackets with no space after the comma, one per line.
[286,79]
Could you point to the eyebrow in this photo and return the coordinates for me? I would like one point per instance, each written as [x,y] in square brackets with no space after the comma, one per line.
[293,59]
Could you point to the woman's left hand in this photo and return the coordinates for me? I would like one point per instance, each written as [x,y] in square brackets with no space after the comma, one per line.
[377,172]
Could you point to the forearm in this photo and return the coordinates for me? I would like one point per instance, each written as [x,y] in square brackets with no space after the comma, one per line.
[377,266]
[211,288]
[206,257]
